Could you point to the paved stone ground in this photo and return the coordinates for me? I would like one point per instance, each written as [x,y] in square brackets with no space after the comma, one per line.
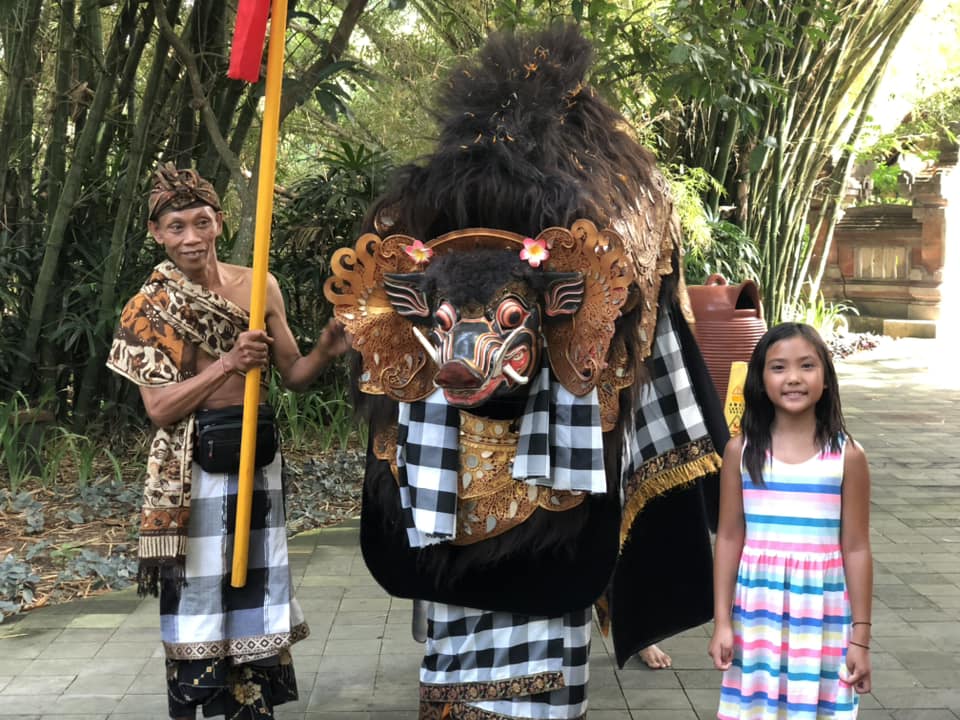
[100,658]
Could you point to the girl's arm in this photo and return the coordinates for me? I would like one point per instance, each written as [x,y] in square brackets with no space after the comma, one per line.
[726,561]
[857,562]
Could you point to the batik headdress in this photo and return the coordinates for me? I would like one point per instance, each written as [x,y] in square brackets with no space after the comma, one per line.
[176,189]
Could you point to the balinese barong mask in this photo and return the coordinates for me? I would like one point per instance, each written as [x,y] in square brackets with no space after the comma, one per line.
[482,313]
[470,311]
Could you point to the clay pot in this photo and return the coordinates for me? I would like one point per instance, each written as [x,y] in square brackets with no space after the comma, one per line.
[729,323]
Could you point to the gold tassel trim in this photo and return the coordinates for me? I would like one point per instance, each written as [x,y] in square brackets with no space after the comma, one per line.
[602,606]
[663,482]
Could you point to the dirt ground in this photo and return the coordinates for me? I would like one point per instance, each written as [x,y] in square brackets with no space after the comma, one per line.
[62,543]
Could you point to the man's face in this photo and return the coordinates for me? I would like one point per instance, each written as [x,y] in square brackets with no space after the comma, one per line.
[189,236]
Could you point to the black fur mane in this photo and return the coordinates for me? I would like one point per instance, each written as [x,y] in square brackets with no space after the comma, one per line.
[474,276]
[525,144]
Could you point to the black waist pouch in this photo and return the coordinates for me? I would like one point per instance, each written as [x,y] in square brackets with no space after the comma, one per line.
[216,445]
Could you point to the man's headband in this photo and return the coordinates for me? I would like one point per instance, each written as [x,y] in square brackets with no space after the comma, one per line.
[175,189]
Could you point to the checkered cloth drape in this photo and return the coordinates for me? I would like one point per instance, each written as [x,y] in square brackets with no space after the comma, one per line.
[560,446]
[207,617]
[668,416]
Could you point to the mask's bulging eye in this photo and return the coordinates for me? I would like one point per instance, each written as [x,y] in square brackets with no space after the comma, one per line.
[445,317]
[510,314]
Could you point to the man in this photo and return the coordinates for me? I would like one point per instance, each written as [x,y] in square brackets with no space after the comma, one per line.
[183,340]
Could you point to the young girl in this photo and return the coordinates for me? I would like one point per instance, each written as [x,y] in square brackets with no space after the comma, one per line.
[793,572]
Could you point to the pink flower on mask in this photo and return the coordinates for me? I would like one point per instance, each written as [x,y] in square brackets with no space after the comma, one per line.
[419,252]
[534,251]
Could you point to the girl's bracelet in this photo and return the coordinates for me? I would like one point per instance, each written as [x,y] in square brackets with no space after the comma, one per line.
[865,647]
[223,369]
[860,622]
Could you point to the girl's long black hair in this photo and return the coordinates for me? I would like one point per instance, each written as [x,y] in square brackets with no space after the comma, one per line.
[758,412]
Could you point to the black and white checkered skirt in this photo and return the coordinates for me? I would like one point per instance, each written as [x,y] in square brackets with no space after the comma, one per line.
[481,665]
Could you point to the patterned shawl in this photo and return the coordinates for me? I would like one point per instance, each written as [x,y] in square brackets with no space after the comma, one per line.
[155,345]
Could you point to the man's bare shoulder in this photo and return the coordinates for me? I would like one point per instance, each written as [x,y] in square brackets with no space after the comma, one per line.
[235,274]
[234,282]
[239,275]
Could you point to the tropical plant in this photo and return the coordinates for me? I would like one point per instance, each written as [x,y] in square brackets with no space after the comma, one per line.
[22,431]
[93,95]
[828,318]
[798,88]
[17,584]
[730,252]
[316,216]
[317,420]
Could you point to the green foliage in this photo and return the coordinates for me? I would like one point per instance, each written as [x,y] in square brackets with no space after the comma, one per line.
[336,85]
[24,502]
[17,584]
[317,420]
[115,571]
[886,181]
[32,445]
[828,318]
[319,215]
[935,119]
[20,438]
[688,185]
[710,244]
[931,126]
[729,252]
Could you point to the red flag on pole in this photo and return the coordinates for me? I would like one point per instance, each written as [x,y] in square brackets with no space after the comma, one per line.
[248,36]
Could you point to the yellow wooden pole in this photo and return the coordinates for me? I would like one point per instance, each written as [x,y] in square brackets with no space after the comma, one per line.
[261,260]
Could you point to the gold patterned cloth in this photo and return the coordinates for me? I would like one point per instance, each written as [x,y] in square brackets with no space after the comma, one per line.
[161,329]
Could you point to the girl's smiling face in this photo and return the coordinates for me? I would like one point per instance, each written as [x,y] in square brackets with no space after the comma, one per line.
[793,375]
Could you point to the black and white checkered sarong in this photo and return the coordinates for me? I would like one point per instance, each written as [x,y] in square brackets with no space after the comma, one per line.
[509,658]
[207,617]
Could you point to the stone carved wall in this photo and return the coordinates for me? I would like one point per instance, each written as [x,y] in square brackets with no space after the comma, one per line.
[889,261]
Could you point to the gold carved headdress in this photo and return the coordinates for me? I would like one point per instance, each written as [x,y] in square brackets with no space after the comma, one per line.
[395,364]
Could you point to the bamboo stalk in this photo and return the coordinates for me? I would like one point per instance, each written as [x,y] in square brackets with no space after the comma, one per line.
[845,165]
[129,193]
[70,193]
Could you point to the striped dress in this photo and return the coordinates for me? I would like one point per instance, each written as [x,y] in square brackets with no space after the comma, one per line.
[791,612]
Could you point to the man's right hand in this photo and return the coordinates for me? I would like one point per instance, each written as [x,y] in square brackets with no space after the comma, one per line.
[251,350]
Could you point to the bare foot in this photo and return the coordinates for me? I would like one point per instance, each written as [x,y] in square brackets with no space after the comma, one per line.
[654,658]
